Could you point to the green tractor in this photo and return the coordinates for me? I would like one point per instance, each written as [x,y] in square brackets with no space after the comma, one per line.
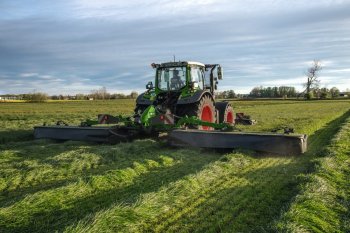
[184,89]
[181,104]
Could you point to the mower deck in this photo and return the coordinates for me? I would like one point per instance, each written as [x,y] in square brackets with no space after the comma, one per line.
[265,142]
[285,144]
[103,134]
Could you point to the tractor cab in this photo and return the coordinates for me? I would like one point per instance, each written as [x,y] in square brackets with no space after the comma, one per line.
[185,77]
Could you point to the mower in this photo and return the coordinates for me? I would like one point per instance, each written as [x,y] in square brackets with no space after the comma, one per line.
[181,105]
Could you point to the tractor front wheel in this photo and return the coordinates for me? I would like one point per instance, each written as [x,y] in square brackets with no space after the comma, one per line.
[226,114]
[229,116]
[139,109]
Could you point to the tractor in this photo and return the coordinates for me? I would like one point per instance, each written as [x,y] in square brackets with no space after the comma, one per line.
[183,89]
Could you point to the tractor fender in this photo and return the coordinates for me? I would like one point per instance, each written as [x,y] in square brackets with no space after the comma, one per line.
[143,101]
[195,97]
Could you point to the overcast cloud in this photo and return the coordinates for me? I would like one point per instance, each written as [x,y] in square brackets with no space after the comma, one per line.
[68,47]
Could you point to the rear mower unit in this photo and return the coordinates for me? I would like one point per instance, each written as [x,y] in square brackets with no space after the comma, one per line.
[182,104]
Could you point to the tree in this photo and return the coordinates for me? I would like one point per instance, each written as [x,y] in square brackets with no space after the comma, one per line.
[100,94]
[36,97]
[312,77]
[231,94]
[347,92]
[324,93]
[256,92]
[118,96]
[273,92]
[334,92]
[80,97]
[133,95]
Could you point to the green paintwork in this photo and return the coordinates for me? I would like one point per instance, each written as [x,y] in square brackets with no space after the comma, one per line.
[150,113]
[147,115]
[195,121]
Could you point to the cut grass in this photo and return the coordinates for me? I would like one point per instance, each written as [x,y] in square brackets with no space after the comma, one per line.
[324,204]
[109,175]
[237,194]
[145,185]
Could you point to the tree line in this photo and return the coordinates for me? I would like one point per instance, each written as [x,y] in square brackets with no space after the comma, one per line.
[290,92]
[96,95]
[100,94]
[273,92]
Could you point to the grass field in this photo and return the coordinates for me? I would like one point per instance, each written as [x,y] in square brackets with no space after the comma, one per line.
[147,186]
[324,202]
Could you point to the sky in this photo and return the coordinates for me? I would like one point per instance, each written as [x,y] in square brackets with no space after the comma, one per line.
[76,46]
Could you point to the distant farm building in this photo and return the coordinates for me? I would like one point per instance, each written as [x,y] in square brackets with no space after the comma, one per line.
[9,97]
[343,94]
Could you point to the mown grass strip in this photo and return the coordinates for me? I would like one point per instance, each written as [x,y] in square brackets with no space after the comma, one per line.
[324,203]
[130,173]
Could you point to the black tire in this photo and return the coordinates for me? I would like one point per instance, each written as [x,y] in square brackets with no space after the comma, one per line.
[204,110]
[226,113]
[140,108]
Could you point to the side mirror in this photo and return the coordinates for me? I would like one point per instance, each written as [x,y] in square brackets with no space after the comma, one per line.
[220,72]
[149,86]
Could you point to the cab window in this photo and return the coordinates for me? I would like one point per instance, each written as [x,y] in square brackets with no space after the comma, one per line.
[197,76]
[171,79]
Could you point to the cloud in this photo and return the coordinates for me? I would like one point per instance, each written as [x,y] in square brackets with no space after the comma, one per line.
[25,75]
[84,45]
[344,70]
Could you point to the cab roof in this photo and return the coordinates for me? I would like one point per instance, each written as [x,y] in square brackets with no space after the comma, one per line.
[181,63]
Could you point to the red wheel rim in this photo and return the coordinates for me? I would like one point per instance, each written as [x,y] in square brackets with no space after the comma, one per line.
[229,118]
[207,116]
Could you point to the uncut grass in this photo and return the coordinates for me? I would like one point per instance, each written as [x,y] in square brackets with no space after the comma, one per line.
[324,203]
[127,187]
[18,119]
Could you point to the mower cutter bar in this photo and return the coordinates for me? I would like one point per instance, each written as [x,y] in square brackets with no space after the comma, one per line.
[90,134]
[284,144]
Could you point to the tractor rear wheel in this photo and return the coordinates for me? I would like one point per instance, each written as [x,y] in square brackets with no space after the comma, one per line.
[226,114]
[204,110]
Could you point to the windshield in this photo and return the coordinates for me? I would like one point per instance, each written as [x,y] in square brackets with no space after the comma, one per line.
[171,78]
